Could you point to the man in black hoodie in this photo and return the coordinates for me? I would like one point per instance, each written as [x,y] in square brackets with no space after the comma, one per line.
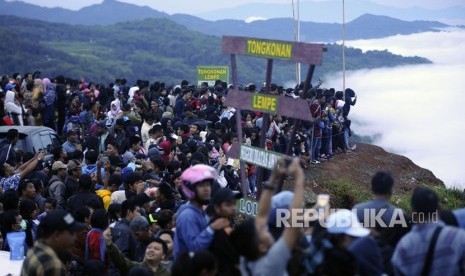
[85,195]
[61,102]
[224,205]
[7,147]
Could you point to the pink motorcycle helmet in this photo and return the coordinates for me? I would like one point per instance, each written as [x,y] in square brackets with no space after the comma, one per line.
[193,175]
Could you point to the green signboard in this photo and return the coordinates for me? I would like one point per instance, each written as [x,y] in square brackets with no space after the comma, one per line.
[212,73]
[259,157]
[247,206]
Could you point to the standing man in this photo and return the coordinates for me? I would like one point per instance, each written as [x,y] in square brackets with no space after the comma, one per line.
[224,204]
[72,143]
[146,126]
[382,186]
[71,181]
[193,231]
[182,103]
[84,195]
[56,235]
[315,109]
[121,234]
[56,185]
[431,247]
[61,102]
[7,148]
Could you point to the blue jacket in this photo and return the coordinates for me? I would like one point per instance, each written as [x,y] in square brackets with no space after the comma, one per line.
[192,230]
[123,239]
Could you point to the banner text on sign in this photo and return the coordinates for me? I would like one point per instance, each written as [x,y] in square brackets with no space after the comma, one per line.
[247,206]
[271,49]
[263,158]
[210,74]
[265,103]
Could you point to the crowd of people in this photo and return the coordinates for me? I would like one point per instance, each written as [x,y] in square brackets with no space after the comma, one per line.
[141,184]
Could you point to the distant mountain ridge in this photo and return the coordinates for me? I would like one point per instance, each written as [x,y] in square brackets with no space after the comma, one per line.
[152,49]
[106,13]
[367,26]
[331,11]
[111,12]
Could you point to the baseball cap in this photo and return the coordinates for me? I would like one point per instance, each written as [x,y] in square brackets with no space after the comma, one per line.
[127,157]
[154,152]
[223,195]
[125,172]
[60,220]
[58,165]
[73,164]
[344,221]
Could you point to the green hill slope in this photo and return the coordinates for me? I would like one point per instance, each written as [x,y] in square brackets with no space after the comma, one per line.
[152,49]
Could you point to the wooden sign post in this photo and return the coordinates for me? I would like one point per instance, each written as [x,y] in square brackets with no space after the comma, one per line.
[306,53]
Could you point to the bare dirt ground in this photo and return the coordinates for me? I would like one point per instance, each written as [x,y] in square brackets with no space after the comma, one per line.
[359,166]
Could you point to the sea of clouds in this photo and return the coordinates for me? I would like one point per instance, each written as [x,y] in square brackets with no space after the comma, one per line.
[418,110]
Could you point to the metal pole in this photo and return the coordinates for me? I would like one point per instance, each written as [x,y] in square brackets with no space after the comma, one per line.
[245,187]
[298,39]
[265,125]
[343,48]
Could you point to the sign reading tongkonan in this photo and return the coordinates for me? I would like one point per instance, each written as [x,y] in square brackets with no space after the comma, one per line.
[307,53]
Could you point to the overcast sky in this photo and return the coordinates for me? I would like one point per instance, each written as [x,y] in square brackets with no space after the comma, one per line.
[198,6]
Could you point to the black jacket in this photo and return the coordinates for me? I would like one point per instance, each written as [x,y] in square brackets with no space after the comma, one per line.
[82,198]
[7,153]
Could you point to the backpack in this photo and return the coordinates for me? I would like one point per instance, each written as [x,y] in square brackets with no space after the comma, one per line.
[102,245]
[47,190]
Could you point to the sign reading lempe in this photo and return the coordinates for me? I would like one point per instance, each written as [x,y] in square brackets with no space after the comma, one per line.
[210,74]
[265,103]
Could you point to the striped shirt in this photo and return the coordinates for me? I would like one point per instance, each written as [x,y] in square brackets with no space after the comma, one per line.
[449,254]
[42,260]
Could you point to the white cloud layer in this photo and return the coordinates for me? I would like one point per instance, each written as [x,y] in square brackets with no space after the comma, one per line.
[254,18]
[418,109]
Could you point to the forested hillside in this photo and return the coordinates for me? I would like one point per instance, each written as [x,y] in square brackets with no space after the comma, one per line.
[152,49]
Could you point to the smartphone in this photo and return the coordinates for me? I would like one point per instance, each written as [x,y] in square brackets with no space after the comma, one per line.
[104,159]
[322,200]
[174,136]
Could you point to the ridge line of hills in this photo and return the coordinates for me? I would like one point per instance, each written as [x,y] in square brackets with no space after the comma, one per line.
[110,12]
[152,49]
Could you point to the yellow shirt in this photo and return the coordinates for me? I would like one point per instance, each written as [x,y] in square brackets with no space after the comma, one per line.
[106,197]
